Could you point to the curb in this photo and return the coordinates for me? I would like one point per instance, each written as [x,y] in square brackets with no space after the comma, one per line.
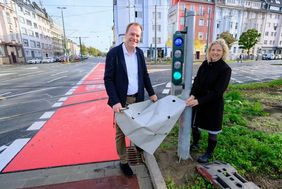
[154,170]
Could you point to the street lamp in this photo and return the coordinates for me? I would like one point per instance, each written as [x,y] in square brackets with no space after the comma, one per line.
[65,44]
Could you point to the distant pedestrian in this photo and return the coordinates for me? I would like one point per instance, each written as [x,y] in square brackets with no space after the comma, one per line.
[125,78]
[241,58]
[206,97]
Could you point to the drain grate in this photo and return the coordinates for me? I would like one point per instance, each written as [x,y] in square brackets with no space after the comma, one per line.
[134,157]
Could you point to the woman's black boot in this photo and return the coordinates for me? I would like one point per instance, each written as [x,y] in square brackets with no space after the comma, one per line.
[211,146]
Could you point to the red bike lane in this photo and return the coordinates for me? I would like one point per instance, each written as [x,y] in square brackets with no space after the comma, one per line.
[81,131]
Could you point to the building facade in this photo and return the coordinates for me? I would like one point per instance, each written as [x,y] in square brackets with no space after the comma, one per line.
[152,15]
[203,23]
[11,50]
[39,37]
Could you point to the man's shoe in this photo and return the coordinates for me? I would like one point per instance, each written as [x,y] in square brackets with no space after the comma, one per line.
[127,171]
[205,158]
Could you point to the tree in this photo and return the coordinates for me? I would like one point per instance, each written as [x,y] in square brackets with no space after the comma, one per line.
[83,49]
[248,39]
[228,37]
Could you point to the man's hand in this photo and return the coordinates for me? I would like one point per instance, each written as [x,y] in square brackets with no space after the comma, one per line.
[191,101]
[154,98]
[117,107]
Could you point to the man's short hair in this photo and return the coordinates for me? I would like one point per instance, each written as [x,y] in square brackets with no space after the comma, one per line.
[133,24]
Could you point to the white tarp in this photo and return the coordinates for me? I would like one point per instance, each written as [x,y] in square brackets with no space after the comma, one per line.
[146,123]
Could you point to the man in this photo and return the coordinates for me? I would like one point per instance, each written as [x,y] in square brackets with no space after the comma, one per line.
[125,78]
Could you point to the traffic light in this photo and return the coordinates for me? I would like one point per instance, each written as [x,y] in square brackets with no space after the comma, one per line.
[177,57]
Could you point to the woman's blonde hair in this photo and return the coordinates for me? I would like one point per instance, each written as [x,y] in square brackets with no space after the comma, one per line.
[224,46]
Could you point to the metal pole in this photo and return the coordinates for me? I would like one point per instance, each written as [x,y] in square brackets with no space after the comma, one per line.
[186,117]
[208,34]
[155,34]
[80,48]
[64,40]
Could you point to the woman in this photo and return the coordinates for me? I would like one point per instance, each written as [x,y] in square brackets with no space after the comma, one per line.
[207,97]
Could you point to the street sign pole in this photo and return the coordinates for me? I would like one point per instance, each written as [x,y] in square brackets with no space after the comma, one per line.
[186,117]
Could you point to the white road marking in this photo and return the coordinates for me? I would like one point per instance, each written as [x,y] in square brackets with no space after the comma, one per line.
[31,68]
[30,92]
[157,70]
[59,73]
[159,84]
[56,79]
[5,93]
[168,85]
[36,125]
[7,155]
[29,74]
[47,115]
[69,92]
[3,148]
[4,74]
[57,104]
[63,99]
[166,91]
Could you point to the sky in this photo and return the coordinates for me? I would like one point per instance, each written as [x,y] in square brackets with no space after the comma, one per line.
[92,20]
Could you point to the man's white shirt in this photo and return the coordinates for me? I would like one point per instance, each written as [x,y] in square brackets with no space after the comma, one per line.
[132,70]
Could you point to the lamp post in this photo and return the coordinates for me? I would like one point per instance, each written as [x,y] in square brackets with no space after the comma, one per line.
[64,40]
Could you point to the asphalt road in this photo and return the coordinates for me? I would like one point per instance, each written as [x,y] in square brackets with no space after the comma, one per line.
[27,91]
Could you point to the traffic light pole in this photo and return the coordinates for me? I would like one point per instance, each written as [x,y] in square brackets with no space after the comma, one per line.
[186,117]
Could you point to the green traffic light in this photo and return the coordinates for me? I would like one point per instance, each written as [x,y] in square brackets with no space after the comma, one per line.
[176,75]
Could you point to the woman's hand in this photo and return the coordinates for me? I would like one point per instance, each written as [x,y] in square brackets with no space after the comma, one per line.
[191,101]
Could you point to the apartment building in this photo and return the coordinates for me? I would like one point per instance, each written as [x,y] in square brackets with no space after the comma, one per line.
[204,22]
[10,38]
[36,30]
[152,15]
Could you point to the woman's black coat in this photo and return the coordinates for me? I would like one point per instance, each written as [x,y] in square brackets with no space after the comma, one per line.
[209,85]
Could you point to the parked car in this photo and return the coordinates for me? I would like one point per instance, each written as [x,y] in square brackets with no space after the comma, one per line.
[34,61]
[278,56]
[48,60]
[268,56]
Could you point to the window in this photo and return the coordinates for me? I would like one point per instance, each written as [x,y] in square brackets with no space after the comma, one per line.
[28,22]
[236,25]
[35,25]
[21,19]
[38,44]
[159,15]
[2,52]
[27,13]
[201,10]
[24,31]
[201,22]
[266,33]
[37,34]
[218,25]
[159,27]
[32,44]
[265,42]
[25,42]
[138,14]
[31,33]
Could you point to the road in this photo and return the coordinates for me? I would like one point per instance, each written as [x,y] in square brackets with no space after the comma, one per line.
[28,91]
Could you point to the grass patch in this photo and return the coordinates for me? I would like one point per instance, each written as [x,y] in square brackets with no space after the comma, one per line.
[249,150]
